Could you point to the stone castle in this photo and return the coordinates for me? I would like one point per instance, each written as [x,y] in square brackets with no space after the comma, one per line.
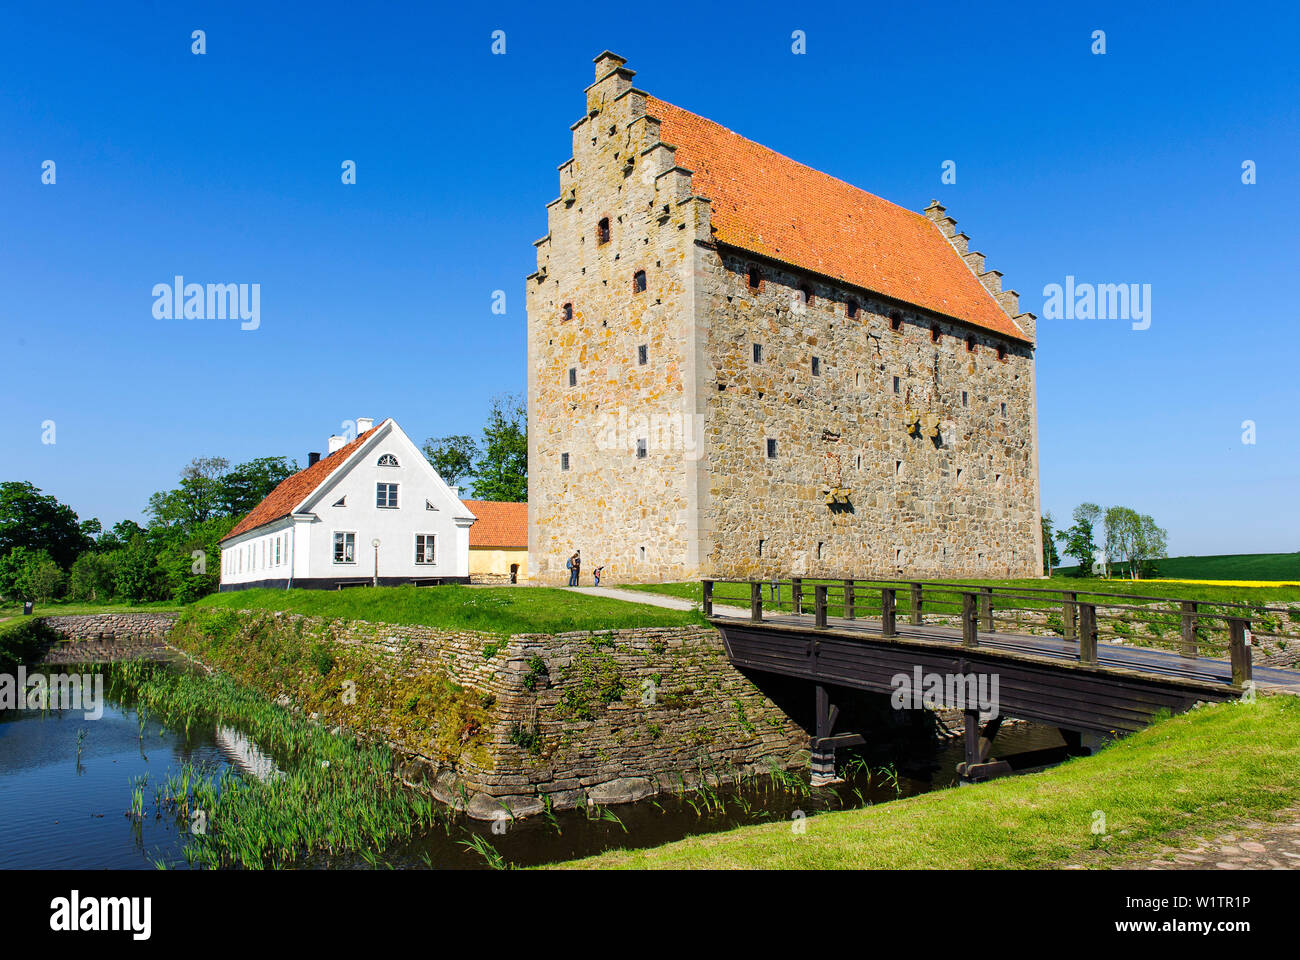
[743,367]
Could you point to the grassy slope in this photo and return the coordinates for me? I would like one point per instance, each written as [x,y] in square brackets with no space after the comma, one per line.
[70,608]
[1185,773]
[1235,566]
[504,610]
[738,594]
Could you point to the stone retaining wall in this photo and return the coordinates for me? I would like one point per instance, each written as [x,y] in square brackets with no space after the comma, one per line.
[496,724]
[105,637]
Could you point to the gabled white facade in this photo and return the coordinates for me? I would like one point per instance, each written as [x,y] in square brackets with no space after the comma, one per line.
[384,491]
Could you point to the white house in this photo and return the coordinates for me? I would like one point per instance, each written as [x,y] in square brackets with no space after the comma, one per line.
[372,511]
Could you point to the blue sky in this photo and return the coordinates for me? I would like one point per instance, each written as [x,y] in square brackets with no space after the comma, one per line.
[376,297]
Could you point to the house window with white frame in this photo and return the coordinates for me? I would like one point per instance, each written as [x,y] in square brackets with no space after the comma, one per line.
[345,547]
[426,548]
[386,495]
[277,551]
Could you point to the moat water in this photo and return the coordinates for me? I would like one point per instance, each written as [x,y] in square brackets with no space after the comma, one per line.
[66,788]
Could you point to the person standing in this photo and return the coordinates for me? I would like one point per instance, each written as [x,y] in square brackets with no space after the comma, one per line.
[577,567]
[595,574]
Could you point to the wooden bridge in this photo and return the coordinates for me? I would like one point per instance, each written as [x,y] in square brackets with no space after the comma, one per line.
[866,635]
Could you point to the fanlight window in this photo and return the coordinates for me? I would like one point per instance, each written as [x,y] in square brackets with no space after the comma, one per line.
[388,460]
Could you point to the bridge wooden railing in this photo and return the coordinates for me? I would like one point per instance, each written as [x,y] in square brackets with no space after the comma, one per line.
[1082,615]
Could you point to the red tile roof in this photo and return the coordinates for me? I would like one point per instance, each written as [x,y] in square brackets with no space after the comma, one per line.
[768,204]
[292,491]
[500,525]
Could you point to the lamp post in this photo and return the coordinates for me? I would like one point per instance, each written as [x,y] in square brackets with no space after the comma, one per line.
[374,581]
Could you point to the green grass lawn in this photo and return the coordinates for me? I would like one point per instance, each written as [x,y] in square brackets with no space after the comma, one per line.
[70,608]
[499,610]
[1232,566]
[737,594]
[1183,774]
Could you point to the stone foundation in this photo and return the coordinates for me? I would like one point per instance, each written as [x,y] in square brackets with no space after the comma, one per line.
[494,724]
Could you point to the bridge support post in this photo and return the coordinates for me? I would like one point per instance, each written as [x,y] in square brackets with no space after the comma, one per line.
[916,604]
[796,595]
[756,601]
[824,742]
[819,605]
[849,610]
[986,609]
[1239,650]
[1188,646]
[979,745]
[969,623]
[1069,609]
[888,612]
[1087,633]
[708,598]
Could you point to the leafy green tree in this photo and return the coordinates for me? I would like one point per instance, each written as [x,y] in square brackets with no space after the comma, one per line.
[189,577]
[1077,539]
[13,566]
[243,487]
[119,536]
[453,457]
[41,579]
[29,518]
[91,577]
[502,469]
[138,577]
[1050,557]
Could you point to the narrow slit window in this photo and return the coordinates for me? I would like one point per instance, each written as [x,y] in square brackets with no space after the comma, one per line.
[602,230]
[771,448]
[568,311]
[573,376]
[897,385]
[935,333]
[805,295]
[758,353]
[816,366]
[564,461]
[641,448]
[970,344]
[638,282]
[642,355]
[896,322]
[1002,351]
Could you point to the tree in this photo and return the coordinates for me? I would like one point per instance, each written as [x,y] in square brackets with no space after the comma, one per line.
[1152,545]
[1122,527]
[1050,556]
[29,518]
[138,576]
[242,488]
[41,579]
[1077,539]
[501,472]
[91,577]
[453,457]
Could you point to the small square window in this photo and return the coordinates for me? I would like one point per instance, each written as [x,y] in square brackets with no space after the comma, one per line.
[755,278]
[642,354]
[564,461]
[758,353]
[805,295]
[935,333]
[602,230]
[851,309]
[638,282]
[641,448]
[896,322]
[573,376]
[816,366]
[771,448]
[1002,351]
[897,385]
[970,344]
